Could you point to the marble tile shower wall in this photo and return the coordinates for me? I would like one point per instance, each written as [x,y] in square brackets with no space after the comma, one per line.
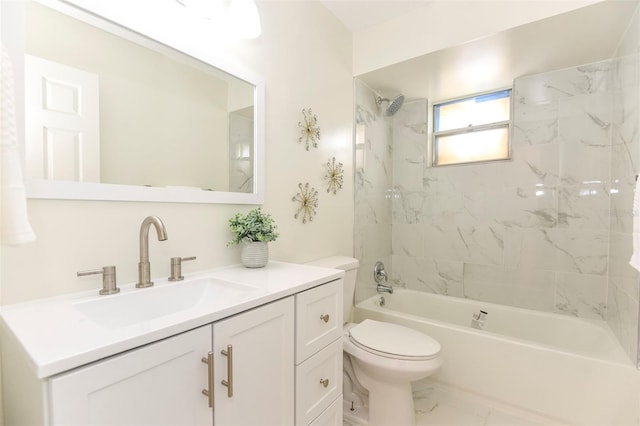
[531,232]
[373,188]
[623,290]
[540,231]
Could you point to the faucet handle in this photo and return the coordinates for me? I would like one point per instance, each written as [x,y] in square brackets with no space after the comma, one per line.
[108,279]
[379,273]
[176,267]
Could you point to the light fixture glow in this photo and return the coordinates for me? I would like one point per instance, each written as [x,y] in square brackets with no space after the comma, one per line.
[244,19]
[206,9]
[240,19]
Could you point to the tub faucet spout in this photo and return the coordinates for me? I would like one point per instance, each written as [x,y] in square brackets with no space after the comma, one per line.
[382,288]
[144,267]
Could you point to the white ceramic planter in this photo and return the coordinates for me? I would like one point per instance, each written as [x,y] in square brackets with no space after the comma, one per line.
[255,254]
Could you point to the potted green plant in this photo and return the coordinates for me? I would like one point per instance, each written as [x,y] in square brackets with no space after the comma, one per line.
[253,231]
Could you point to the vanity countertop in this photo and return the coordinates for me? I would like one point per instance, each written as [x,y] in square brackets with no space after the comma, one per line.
[57,336]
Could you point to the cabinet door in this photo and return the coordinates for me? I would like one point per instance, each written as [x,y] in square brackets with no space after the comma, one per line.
[158,384]
[256,366]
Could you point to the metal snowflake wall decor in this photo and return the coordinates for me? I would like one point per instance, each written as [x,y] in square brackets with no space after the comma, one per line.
[307,200]
[334,176]
[309,129]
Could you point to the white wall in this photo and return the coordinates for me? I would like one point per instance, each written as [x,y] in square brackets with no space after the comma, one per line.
[304,55]
[8,25]
[442,24]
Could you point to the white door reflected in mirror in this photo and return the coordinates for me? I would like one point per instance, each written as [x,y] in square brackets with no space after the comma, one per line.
[62,135]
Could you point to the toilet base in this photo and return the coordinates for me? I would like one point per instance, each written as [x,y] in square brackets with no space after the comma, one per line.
[392,407]
[391,404]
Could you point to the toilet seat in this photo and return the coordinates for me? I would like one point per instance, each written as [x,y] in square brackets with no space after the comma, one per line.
[393,341]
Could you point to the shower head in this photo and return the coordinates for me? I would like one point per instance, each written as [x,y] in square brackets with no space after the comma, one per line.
[394,104]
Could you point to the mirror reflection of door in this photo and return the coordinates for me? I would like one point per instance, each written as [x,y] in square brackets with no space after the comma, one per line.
[62,129]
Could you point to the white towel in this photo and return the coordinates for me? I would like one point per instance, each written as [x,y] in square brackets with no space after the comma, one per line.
[635,257]
[14,224]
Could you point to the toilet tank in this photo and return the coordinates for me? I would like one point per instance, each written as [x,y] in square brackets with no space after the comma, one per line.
[350,266]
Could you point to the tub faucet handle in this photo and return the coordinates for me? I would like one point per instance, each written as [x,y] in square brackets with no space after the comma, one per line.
[379,273]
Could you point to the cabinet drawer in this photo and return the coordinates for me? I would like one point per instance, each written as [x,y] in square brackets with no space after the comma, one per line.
[318,318]
[312,396]
[332,416]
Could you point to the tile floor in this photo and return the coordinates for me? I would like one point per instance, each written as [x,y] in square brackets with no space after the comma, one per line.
[439,405]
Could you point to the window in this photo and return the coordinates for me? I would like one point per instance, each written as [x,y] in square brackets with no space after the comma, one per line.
[472,129]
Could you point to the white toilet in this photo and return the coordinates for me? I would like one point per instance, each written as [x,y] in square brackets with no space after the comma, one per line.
[383,358]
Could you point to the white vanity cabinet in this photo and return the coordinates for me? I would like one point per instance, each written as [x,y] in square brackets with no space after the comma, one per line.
[162,383]
[269,357]
[319,355]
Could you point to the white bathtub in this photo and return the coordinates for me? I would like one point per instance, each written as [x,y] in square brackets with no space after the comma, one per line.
[561,367]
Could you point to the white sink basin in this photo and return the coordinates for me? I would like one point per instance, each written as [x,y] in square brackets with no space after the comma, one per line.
[140,305]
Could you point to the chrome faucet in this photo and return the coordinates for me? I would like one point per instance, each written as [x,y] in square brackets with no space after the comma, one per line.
[383,288]
[144,267]
[380,274]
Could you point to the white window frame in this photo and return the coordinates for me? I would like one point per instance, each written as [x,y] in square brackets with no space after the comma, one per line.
[459,131]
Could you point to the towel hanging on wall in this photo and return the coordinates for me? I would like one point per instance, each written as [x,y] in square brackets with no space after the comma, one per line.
[14,223]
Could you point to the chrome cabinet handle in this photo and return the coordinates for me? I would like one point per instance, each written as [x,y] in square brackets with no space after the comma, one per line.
[325,317]
[209,392]
[229,382]
[324,382]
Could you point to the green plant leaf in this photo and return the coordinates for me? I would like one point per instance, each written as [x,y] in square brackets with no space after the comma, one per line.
[252,226]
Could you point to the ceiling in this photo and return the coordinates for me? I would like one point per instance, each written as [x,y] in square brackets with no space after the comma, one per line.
[585,35]
[359,14]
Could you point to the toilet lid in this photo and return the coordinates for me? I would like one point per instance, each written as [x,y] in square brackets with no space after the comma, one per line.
[394,340]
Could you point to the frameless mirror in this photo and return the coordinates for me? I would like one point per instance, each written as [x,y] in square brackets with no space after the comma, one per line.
[113,115]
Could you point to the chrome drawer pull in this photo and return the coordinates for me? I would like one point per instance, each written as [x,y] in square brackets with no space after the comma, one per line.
[229,382]
[325,317]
